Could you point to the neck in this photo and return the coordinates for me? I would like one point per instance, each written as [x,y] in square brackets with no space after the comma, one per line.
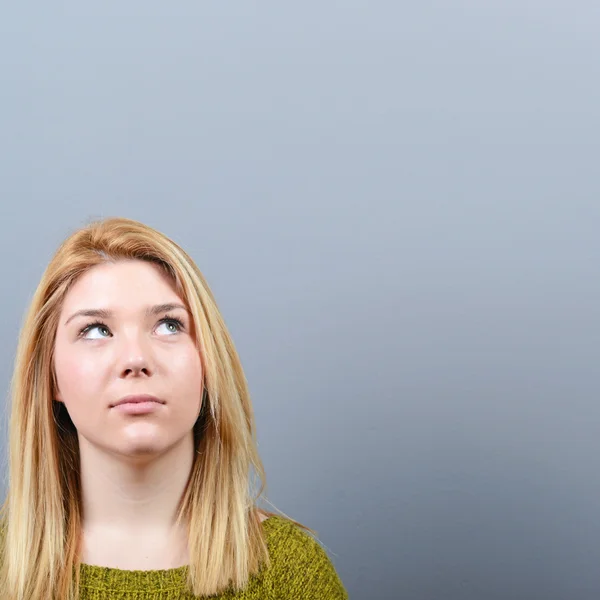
[133,495]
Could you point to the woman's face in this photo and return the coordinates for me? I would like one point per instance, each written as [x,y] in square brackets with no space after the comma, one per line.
[123,331]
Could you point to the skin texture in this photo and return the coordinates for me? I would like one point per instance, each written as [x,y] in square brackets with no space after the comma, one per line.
[134,468]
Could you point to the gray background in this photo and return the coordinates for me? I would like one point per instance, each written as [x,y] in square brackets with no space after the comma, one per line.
[397,206]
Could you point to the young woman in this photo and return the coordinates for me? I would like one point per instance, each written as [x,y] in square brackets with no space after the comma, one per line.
[132,440]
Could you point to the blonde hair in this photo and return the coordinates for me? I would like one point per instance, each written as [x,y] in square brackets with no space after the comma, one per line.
[41,516]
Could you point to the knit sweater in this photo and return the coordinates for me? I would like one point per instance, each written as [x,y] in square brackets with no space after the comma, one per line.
[300,570]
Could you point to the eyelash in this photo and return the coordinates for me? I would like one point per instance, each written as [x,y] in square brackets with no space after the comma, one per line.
[98,323]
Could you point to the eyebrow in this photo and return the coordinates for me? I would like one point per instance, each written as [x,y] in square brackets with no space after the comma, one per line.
[104,313]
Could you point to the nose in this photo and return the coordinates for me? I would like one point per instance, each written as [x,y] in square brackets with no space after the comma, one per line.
[136,367]
[135,360]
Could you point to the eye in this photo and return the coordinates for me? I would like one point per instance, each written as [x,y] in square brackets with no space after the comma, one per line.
[171,324]
[101,328]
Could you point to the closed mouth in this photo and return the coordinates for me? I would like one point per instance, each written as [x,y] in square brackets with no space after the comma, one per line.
[137,399]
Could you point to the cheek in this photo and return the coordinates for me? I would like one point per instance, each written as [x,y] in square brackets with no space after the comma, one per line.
[76,373]
[187,363]
[186,370]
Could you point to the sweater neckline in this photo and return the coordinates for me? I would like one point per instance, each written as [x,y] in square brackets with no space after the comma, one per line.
[113,578]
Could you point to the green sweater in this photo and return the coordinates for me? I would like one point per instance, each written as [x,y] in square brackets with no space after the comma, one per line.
[300,570]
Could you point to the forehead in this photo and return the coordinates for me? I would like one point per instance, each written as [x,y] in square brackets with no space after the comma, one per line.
[125,283]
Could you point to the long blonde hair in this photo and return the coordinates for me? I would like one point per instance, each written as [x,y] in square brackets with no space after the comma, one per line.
[41,516]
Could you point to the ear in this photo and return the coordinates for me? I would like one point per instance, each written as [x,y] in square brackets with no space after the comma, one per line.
[58,396]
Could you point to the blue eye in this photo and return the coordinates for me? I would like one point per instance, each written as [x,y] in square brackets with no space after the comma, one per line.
[97,325]
[174,325]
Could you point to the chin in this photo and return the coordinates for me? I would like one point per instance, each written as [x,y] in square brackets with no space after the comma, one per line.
[149,446]
[142,446]
[142,449]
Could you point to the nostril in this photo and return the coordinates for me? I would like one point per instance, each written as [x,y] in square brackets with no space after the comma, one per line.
[136,372]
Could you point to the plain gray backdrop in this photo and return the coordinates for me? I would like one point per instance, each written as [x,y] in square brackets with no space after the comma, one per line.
[397,207]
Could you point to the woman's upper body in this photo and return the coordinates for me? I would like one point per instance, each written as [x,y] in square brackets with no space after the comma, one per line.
[300,570]
[132,439]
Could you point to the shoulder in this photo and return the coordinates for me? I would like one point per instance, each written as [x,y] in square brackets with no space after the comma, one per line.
[300,566]
[262,515]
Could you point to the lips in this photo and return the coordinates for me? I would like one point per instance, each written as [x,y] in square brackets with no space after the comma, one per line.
[137,399]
